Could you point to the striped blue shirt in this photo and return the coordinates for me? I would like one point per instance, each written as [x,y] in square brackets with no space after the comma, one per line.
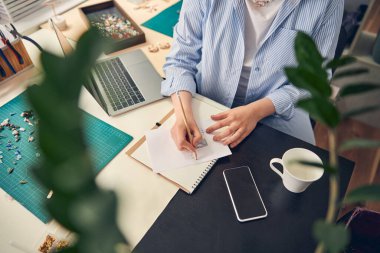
[208,49]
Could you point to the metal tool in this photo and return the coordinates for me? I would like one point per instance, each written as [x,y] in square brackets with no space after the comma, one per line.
[16,34]
[2,55]
[11,47]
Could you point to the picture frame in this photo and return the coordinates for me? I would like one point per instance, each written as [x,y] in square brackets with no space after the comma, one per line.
[113,23]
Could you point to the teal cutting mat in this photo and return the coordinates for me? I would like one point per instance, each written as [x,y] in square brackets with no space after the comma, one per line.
[165,20]
[104,141]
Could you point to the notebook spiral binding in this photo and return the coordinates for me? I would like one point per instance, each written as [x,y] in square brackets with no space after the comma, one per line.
[204,173]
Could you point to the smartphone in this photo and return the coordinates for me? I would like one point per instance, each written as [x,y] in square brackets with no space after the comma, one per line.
[245,196]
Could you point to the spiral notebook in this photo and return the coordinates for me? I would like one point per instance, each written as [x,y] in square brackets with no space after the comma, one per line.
[187,178]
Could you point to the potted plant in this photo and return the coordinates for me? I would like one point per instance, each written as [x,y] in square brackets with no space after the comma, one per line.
[312,74]
[78,204]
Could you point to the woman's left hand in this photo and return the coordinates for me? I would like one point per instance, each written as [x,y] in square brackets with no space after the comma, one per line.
[239,122]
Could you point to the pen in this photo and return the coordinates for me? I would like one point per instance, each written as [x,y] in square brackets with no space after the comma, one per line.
[186,124]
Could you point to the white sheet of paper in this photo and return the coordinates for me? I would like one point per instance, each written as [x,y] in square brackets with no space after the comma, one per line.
[164,154]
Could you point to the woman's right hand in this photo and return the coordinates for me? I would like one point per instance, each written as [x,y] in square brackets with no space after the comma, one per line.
[180,137]
[178,131]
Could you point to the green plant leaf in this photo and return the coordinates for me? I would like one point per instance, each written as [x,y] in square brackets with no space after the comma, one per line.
[364,193]
[343,61]
[307,51]
[359,143]
[77,204]
[350,72]
[326,167]
[322,110]
[308,80]
[357,88]
[334,237]
[359,111]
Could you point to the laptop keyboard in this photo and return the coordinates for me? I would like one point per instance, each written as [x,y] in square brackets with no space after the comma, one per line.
[118,84]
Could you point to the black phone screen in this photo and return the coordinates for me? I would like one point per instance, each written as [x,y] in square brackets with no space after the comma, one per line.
[244,194]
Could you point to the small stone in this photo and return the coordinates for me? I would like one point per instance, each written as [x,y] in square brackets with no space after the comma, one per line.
[10,170]
[164,45]
[5,122]
[18,157]
[30,139]
[153,49]
[23,182]
[22,129]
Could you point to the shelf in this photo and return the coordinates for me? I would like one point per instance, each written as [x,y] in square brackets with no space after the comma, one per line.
[363,48]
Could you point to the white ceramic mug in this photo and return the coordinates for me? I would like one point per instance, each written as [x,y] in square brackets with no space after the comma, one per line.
[296,176]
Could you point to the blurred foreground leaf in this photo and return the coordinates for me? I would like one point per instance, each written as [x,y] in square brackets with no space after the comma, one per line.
[305,79]
[326,167]
[364,193]
[340,62]
[322,110]
[359,143]
[334,237]
[66,169]
[358,88]
[359,111]
[350,72]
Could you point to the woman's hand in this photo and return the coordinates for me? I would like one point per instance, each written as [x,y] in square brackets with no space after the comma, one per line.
[178,131]
[239,122]
[180,137]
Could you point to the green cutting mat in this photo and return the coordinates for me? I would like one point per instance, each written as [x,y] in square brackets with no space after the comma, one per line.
[165,21]
[104,141]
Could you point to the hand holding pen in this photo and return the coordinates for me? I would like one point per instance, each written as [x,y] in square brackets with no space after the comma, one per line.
[185,131]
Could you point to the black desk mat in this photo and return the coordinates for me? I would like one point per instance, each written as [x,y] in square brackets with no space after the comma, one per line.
[206,222]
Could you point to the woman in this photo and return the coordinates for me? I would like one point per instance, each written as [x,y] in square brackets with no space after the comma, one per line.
[234,52]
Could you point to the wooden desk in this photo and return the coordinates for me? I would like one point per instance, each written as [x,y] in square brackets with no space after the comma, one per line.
[148,192]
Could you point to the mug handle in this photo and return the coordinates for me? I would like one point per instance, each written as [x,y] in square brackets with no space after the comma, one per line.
[276,160]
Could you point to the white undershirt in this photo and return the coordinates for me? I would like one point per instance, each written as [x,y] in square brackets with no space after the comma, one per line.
[257,23]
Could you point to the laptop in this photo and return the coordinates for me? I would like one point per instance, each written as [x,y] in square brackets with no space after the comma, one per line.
[122,83]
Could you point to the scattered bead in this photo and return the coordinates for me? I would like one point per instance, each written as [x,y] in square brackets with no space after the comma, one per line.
[50,194]
[115,26]
[23,182]
[164,45]
[153,49]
